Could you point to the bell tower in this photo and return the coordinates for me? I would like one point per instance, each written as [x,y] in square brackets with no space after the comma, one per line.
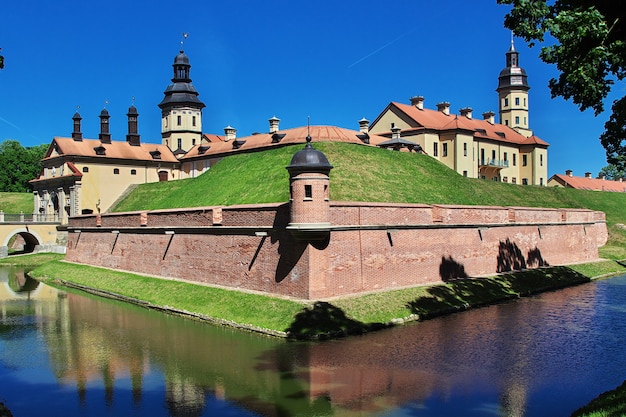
[181,110]
[513,94]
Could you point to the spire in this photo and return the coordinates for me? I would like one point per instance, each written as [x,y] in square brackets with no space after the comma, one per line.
[512,76]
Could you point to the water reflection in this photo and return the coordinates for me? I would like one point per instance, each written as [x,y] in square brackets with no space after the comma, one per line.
[541,356]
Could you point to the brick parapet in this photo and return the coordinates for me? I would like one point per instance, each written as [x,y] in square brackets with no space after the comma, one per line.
[371,247]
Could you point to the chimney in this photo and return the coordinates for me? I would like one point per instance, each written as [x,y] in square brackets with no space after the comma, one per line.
[490,117]
[76,134]
[274,121]
[621,179]
[603,177]
[105,136]
[364,125]
[444,107]
[418,102]
[230,133]
[466,111]
[568,172]
[133,135]
[395,132]
[587,174]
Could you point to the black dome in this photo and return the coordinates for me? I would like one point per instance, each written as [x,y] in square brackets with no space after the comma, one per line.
[309,160]
[181,58]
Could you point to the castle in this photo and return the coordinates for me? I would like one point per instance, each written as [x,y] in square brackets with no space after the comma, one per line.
[83,176]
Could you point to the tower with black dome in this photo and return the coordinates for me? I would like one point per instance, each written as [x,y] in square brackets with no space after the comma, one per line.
[309,191]
[513,94]
[181,110]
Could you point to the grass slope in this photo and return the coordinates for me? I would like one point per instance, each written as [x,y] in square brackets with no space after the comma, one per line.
[16,202]
[364,173]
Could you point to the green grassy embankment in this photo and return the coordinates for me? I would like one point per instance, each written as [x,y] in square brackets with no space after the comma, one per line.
[16,203]
[363,173]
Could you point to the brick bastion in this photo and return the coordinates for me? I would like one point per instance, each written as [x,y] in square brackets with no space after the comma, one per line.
[363,247]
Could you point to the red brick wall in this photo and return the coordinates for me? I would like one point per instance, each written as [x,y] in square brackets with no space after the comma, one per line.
[371,246]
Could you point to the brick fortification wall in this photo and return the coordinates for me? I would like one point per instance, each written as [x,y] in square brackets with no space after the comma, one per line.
[370,246]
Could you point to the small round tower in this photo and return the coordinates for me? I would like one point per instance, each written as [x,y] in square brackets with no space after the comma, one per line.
[309,194]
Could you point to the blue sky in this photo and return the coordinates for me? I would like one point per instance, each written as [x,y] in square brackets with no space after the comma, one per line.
[335,61]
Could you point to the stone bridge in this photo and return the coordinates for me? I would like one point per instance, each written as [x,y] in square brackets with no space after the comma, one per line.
[25,233]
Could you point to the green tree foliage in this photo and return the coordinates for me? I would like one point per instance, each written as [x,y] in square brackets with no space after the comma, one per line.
[612,172]
[589,51]
[18,165]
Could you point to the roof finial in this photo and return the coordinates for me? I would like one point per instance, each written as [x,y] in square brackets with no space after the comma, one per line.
[308,132]
[512,45]
[106,103]
[182,41]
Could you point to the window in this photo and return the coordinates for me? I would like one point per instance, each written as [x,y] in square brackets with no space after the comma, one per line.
[525,121]
[495,179]
[506,102]
[465,173]
[85,169]
[506,122]
[506,157]
[193,120]
[514,159]
[505,179]
[524,102]
[493,155]
[193,142]
[524,160]
[540,160]
[133,172]
[444,149]
[517,101]
[179,120]
[516,120]
[180,143]
[524,181]
[435,149]
[308,191]
[540,181]
[464,149]
[514,180]
[116,171]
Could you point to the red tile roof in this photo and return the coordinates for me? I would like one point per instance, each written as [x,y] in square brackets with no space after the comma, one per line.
[113,150]
[282,137]
[585,183]
[437,120]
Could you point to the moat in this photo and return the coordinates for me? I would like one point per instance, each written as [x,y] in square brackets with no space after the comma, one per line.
[64,353]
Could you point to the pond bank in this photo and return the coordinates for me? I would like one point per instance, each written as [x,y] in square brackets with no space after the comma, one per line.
[322,319]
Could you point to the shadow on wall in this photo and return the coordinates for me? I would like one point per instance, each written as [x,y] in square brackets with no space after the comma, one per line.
[450,269]
[289,249]
[511,258]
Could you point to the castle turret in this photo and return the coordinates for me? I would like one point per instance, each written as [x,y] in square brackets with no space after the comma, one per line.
[181,110]
[309,194]
[513,94]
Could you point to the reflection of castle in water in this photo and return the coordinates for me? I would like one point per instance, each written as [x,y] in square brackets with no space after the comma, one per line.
[101,341]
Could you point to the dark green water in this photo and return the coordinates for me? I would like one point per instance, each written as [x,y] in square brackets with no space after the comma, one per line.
[73,355]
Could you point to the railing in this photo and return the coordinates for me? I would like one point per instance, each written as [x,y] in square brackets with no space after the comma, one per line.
[28,218]
[498,163]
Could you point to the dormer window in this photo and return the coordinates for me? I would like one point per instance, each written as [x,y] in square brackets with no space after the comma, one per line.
[155,154]
[100,150]
[202,149]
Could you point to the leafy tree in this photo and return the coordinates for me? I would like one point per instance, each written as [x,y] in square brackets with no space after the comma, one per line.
[589,51]
[612,172]
[18,165]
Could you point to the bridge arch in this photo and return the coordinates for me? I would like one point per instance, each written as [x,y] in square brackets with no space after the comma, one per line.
[31,239]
